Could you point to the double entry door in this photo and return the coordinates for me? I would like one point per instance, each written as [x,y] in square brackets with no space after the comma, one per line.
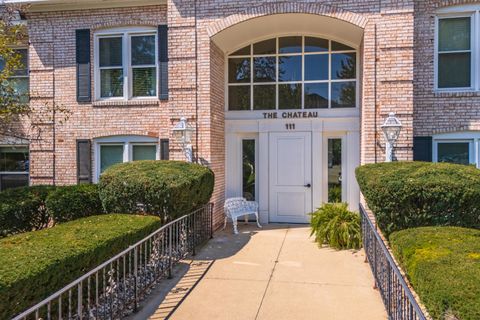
[290,177]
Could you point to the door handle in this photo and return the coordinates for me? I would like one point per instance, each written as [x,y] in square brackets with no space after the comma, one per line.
[308,185]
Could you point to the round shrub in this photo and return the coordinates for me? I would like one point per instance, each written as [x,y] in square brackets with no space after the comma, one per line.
[412,194]
[72,202]
[23,209]
[168,189]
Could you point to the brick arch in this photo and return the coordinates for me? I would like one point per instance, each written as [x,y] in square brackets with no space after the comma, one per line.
[119,24]
[288,7]
[115,133]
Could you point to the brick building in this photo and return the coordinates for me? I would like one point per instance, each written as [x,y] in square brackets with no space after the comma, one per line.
[286,98]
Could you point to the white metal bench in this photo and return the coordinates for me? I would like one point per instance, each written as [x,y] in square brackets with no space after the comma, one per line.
[237,207]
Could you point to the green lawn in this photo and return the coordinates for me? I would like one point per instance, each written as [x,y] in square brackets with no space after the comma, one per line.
[443,265]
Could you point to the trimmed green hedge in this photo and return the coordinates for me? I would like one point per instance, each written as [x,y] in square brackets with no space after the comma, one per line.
[443,265]
[23,209]
[413,194]
[72,202]
[34,265]
[168,189]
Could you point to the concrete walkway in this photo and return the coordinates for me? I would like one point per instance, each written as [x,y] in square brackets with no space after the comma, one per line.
[273,273]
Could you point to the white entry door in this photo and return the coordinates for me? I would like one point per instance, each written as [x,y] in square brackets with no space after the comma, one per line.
[290,177]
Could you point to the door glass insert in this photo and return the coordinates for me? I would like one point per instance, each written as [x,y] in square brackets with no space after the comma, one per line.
[334,170]
[248,170]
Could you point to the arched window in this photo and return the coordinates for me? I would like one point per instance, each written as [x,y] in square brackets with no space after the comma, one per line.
[292,72]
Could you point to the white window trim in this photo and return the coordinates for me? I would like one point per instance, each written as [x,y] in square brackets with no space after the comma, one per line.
[456,12]
[127,142]
[126,34]
[472,138]
[329,81]
[27,173]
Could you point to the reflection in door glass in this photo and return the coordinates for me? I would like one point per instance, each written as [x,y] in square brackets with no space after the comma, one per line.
[334,170]
[248,156]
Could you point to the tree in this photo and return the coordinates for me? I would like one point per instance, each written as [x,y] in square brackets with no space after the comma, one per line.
[15,111]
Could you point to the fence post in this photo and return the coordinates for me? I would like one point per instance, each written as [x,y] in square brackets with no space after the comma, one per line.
[194,215]
[211,220]
[170,252]
[135,275]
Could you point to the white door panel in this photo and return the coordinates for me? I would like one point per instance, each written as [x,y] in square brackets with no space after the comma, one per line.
[290,175]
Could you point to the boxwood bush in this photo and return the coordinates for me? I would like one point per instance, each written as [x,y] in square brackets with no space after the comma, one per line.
[23,209]
[72,202]
[168,189]
[412,194]
[35,264]
[443,265]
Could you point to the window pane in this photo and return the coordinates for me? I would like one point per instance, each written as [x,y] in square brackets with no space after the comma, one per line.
[454,70]
[316,67]
[238,70]
[22,70]
[248,156]
[239,98]
[245,51]
[111,83]
[21,87]
[144,82]
[110,155]
[316,95]
[454,34]
[290,68]
[334,170]
[315,44]
[14,159]
[343,66]
[290,96]
[458,152]
[336,46]
[265,47]
[143,50]
[264,97]
[110,52]
[144,152]
[265,69]
[343,94]
[290,45]
[8,181]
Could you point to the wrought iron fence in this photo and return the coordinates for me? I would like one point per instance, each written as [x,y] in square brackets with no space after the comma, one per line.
[113,289]
[397,296]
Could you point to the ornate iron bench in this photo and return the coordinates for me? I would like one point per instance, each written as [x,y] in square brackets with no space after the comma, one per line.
[237,207]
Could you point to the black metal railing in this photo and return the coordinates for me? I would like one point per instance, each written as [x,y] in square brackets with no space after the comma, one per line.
[396,295]
[113,289]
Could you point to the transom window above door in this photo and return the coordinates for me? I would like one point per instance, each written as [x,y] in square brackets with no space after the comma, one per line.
[126,64]
[292,72]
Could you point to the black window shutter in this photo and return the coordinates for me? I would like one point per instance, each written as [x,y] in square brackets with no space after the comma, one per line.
[422,149]
[84,93]
[84,161]
[164,149]
[163,61]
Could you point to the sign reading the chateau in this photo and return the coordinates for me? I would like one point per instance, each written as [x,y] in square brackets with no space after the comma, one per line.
[290,114]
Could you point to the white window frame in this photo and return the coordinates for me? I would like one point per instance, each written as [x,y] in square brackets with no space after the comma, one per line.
[27,173]
[127,142]
[126,35]
[473,12]
[470,137]
[329,81]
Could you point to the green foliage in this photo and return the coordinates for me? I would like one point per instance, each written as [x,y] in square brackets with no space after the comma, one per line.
[23,209]
[168,189]
[443,265]
[335,225]
[412,194]
[73,202]
[34,265]
[334,192]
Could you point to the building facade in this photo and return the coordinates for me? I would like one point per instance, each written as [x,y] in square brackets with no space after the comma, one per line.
[286,97]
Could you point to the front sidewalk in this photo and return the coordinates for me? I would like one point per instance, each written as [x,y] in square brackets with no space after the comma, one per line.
[277,273]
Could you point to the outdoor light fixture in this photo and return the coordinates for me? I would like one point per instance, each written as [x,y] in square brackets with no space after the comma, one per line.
[391,129]
[182,132]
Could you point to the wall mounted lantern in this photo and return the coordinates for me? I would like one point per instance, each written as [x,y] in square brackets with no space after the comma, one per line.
[391,129]
[182,133]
